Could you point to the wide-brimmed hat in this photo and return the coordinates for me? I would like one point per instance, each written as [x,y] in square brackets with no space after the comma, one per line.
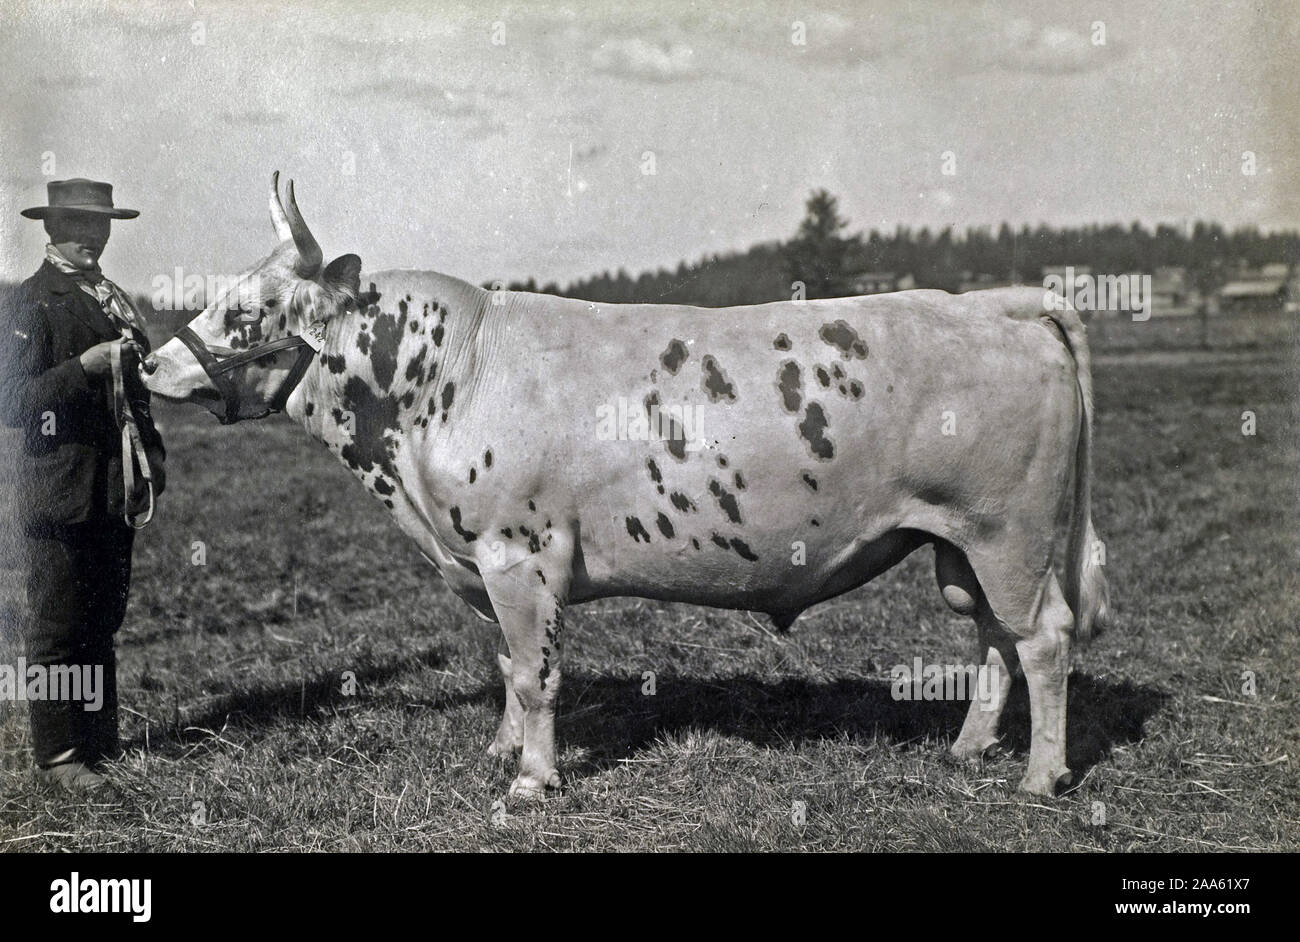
[79,196]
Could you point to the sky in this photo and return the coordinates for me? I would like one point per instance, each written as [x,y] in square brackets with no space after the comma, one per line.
[495,141]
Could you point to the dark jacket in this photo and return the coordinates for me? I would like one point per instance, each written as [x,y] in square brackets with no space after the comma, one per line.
[69,462]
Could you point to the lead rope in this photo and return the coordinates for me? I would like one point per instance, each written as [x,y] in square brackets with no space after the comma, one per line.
[133,452]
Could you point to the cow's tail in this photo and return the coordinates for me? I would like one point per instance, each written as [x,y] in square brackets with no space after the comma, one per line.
[1086,589]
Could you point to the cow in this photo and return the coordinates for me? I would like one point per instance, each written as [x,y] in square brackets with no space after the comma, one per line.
[544,452]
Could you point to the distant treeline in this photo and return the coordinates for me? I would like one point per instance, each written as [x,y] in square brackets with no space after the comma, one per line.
[826,259]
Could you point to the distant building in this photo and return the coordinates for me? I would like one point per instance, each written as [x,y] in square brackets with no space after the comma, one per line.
[1256,292]
[879,282]
[1172,292]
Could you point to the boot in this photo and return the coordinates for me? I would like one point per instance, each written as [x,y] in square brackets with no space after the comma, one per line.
[72,776]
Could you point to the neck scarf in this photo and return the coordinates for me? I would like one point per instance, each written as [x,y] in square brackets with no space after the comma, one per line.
[112,299]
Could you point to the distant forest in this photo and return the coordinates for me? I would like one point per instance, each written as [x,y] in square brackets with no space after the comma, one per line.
[825,257]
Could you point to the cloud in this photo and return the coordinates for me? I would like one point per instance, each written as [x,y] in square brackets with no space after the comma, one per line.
[638,59]
[582,155]
[834,40]
[1051,50]
[435,99]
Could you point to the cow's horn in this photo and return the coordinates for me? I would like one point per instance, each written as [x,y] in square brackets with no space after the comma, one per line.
[278,218]
[309,253]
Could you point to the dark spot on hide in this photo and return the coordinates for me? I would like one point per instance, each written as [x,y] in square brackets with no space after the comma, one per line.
[726,500]
[469,536]
[789,383]
[373,418]
[674,356]
[811,429]
[415,369]
[841,335]
[388,337]
[715,382]
[674,436]
[636,530]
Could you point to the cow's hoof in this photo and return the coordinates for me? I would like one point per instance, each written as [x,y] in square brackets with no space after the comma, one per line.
[533,788]
[973,750]
[1046,781]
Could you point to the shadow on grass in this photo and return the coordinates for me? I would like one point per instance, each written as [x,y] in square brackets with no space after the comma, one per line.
[261,707]
[612,718]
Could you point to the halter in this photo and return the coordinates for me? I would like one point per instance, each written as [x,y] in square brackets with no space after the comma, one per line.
[219,370]
[134,457]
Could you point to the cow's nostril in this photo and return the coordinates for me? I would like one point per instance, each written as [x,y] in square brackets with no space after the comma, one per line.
[149,364]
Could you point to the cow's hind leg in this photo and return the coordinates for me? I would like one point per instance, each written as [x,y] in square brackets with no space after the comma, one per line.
[995,652]
[1033,612]
[509,740]
[1045,657]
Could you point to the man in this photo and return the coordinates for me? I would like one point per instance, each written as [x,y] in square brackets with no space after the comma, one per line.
[68,381]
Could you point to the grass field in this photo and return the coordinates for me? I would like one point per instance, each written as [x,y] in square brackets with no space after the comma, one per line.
[241,737]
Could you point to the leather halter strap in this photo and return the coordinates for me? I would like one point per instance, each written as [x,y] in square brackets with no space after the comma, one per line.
[134,456]
[218,370]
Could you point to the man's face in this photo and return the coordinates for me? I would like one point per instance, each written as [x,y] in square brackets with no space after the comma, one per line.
[80,237]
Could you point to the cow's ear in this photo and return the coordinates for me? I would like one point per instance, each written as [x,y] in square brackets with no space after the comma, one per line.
[343,277]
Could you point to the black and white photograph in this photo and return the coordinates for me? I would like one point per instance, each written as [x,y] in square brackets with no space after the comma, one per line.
[751,427]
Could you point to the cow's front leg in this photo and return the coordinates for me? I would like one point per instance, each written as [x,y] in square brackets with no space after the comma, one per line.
[509,740]
[528,594]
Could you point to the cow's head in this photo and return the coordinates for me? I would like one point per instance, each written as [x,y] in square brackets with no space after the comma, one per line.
[215,361]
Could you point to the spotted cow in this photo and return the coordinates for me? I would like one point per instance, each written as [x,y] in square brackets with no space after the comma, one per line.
[544,452]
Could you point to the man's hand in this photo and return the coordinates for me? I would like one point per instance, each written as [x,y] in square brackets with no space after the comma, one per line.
[97,361]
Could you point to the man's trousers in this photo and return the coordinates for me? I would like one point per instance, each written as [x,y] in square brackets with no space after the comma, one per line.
[77,587]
